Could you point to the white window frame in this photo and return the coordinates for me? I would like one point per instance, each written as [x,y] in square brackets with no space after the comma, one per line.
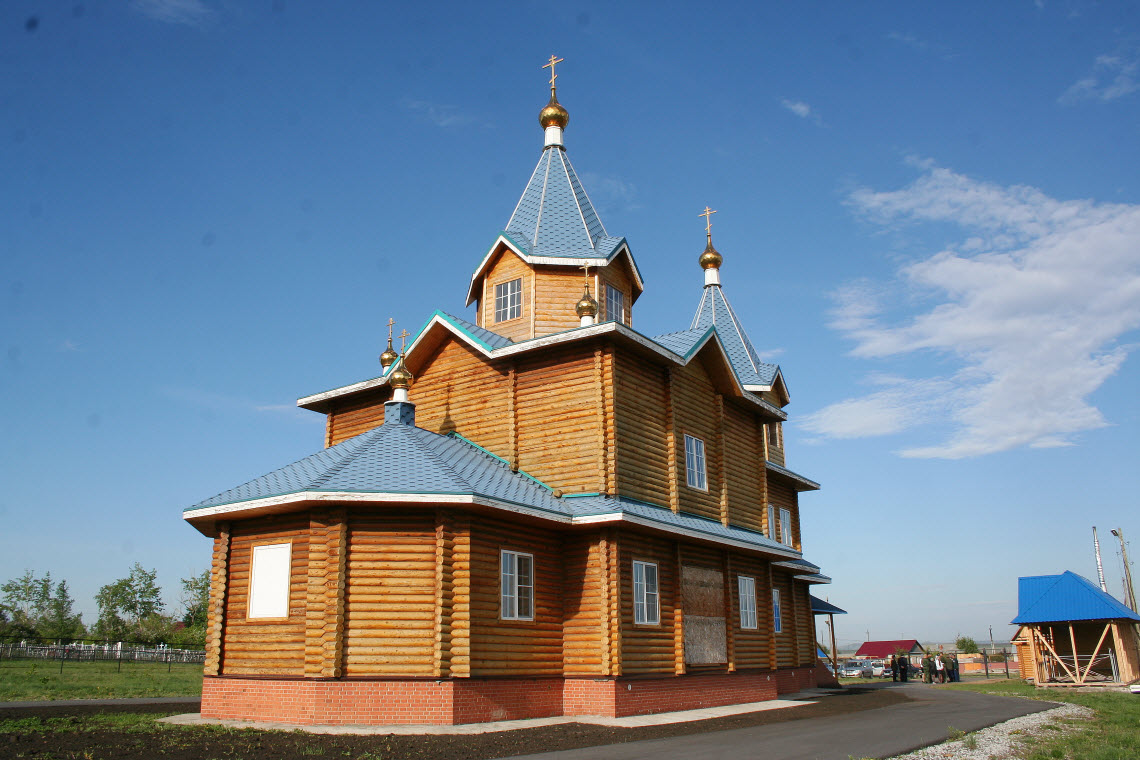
[508,300]
[696,475]
[615,304]
[777,623]
[786,526]
[646,596]
[270,576]
[772,522]
[746,589]
[516,586]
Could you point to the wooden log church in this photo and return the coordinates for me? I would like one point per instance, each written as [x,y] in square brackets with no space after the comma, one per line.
[542,512]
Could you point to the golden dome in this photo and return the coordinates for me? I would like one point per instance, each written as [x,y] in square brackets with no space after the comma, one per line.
[399,377]
[553,114]
[586,306]
[710,259]
[388,356]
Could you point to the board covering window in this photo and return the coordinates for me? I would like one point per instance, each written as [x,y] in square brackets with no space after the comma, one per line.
[269,581]
[777,625]
[646,605]
[786,526]
[695,463]
[615,304]
[747,591]
[516,585]
[508,300]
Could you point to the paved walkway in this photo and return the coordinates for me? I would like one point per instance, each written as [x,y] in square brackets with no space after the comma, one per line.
[884,732]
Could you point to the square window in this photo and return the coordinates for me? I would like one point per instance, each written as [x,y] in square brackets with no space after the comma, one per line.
[646,607]
[516,590]
[508,300]
[777,625]
[269,581]
[786,526]
[695,463]
[615,304]
[747,590]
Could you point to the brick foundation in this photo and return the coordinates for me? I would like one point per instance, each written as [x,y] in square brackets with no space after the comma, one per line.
[461,700]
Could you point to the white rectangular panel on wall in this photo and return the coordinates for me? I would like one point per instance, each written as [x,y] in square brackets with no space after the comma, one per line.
[269,581]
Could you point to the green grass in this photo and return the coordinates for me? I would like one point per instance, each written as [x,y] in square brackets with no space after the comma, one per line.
[129,722]
[33,680]
[1113,734]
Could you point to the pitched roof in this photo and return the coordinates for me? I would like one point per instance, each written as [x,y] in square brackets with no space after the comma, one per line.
[398,462]
[887,648]
[714,309]
[820,607]
[1065,597]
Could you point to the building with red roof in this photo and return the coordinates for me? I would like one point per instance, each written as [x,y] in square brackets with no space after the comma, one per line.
[881,650]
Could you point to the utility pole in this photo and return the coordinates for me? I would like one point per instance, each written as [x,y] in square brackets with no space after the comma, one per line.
[1099,566]
[1129,592]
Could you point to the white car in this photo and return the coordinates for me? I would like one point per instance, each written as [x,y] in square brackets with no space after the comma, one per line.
[877,668]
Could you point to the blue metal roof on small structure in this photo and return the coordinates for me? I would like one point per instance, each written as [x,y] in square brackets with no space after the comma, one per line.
[820,607]
[1063,598]
[714,309]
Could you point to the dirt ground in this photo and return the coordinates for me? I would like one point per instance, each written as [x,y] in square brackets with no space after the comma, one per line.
[197,743]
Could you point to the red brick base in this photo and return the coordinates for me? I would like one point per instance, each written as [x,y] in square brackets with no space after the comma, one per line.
[463,700]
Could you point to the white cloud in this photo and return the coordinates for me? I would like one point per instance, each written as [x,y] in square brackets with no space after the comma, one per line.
[1112,77]
[801,109]
[611,193]
[1028,309]
[440,115]
[190,12]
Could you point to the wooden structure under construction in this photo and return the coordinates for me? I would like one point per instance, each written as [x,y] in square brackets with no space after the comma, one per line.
[540,512]
[1073,633]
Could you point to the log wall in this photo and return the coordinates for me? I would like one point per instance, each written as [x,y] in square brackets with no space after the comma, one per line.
[781,495]
[357,415]
[459,392]
[647,648]
[641,429]
[272,647]
[694,414]
[751,647]
[786,639]
[744,468]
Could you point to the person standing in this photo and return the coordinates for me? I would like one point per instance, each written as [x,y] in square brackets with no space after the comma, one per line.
[928,669]
[904,666]
[940,668]
[894,669]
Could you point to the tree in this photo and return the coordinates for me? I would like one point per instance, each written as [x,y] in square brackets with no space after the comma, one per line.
[966,645]
[26,599]
[60,620]
[195,600]
[126,606]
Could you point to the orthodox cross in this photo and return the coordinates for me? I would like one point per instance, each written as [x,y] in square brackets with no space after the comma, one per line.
[586,276]
[390,323]
[403,336]
[553,76]
[708,221]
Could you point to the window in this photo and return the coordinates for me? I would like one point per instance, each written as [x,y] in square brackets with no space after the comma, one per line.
[777,626]
[645,600]
[747,588]
[772,522]
[774,434]
[695,463]
[508,300]
[786,526]
[269,581]
[615,304]
[517,586]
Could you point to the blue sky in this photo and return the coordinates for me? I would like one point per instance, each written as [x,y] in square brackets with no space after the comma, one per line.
[929,213]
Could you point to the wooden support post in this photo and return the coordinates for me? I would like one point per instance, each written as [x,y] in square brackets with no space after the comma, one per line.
[1056,656]
[1096,651]
[1076,662]
[216,613]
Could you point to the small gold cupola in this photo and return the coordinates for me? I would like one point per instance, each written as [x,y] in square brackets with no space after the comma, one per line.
[711,259]
[399,377]
[553,117]
[389,355]
[587,307]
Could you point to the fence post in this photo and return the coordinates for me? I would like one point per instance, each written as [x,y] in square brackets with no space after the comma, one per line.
[62,657]
[1005,656]
[986,662]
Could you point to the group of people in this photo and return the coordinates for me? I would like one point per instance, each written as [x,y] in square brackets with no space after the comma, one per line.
[935,668]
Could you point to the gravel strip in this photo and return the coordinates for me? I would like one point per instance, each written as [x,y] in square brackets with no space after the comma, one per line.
[1005,740]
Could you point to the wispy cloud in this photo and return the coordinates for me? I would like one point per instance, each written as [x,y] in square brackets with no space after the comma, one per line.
[1112,77]
[189,12]
[1028,307]
[801,109]
[610,192]
[223,403]
[921,45]
[440,115]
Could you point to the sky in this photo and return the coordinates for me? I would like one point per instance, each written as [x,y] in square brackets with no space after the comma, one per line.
[929,215]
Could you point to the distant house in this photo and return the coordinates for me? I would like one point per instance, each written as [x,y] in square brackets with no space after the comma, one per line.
[881,650]
[1072,632]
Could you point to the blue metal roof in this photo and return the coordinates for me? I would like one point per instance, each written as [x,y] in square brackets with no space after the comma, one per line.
[401,459]
[486,337]
[1065,597]
[555,217]
[820,607]
[714,309]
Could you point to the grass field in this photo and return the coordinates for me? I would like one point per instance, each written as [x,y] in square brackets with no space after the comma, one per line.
[31,680]
[1114,734]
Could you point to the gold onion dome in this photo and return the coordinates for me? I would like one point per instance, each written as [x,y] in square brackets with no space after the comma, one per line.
[399,377]
[389,356]
[553,114]
[710,259]
[586,306]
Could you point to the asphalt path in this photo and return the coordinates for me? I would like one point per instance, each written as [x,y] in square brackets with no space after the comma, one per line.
[880,733]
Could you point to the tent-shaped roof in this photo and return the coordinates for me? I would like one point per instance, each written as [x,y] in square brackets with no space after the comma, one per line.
[714,309]
[887,648]
[1065,597]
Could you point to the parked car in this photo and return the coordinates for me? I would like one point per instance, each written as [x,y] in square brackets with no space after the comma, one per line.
[857,669]
[877,668]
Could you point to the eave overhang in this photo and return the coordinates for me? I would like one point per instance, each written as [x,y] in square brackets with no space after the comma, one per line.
[799,482]
[322,402]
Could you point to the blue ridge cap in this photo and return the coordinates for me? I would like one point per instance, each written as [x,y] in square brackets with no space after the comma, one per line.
[714,309]
[1065,597]
[485,337]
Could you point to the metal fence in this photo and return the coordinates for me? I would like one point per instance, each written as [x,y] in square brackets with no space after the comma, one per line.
[118,652]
